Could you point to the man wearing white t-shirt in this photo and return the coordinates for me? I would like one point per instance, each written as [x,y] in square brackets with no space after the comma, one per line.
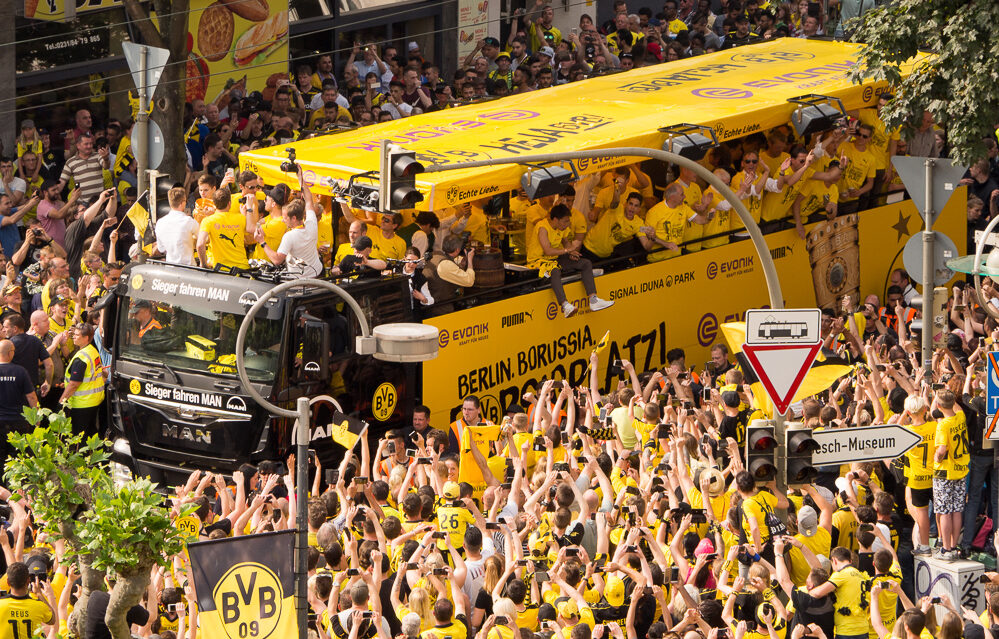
[298,246]
[177,232]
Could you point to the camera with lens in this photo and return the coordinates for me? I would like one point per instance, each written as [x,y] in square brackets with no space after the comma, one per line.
[289,165]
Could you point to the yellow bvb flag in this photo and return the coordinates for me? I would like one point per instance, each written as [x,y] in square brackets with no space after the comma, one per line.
[246,586]
[346,430]
[139,214]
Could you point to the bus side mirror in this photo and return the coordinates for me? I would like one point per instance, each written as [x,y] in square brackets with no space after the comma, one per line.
[315,350]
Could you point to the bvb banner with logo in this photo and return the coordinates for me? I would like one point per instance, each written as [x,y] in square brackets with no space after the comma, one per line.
[246,586]
[500,351]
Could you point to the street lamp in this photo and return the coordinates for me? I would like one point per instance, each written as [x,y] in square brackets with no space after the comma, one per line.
[401,342]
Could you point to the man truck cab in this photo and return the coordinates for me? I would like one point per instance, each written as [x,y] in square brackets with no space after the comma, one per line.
[175,402]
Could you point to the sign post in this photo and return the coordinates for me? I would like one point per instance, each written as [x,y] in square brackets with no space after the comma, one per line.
[146,64]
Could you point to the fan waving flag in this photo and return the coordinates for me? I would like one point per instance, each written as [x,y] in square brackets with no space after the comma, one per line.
[346,430]
[139,214]
[245,585]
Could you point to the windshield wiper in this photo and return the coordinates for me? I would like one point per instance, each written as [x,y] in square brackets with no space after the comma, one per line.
[176,377]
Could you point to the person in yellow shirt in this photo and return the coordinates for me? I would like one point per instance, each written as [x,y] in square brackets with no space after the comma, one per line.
[330,111]
[818,198]
[851,618]
[453,516]
[782,191]
[273,225]
[883,144]
[816,538]
[579,224]
[748,184]
[550,252]
[227,233]
[756,505]
[698,201]
[535,213]
[720,214]
[670,222]
[387,245]
[616,232]
[950,466]
[776,152]
[20,613]
[858,173]
[623,181]
[918,469]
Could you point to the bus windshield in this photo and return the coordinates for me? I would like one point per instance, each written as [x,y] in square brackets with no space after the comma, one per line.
[197,338]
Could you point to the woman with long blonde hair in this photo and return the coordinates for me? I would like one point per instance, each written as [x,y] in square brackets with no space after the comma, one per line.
[482,605]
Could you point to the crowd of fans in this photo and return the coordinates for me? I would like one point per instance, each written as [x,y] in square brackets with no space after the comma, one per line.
[629,513]
[599,515]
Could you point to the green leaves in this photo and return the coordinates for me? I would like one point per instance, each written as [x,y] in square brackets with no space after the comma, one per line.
[124,529]
[958,85]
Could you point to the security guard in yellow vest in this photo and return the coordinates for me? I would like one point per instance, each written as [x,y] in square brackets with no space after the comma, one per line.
[84,382]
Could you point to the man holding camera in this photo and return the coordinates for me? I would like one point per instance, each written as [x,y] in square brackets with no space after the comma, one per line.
[298,246]
[445,274]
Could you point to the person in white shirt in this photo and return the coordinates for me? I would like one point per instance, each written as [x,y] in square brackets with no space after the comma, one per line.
[298,246]
[177,232]
[10,184]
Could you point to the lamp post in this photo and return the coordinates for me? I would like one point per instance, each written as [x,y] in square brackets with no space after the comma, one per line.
[400,342]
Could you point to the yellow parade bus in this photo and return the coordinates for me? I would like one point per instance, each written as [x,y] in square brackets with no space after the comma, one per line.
[513,335]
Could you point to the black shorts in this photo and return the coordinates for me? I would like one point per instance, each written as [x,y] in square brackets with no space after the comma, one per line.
[921,497]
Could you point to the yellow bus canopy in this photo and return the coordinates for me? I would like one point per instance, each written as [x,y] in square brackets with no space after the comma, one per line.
[736,92]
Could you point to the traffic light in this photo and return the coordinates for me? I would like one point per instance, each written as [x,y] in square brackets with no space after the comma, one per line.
[799,446]
[397,184]
[761,450]
[939,320]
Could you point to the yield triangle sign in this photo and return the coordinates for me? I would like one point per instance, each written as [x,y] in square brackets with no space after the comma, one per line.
[781,368]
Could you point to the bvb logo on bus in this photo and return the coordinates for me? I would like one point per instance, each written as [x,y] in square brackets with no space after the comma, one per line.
[383,401]
[249,599]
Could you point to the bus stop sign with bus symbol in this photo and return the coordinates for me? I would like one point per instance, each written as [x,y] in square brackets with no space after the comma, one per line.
[992,396]
[781,346]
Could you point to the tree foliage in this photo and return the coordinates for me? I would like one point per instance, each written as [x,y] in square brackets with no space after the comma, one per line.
[958,83]
[124,530]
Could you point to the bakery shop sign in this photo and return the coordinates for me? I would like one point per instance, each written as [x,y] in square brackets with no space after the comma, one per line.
[232,44]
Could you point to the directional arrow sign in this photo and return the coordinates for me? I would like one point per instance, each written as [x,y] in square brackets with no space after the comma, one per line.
[781,346]
[869,443]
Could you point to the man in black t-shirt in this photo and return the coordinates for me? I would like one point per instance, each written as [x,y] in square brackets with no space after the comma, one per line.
[980,466]
[16,392]
[97,607]
[29,352]
[733,424]
[807,609]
